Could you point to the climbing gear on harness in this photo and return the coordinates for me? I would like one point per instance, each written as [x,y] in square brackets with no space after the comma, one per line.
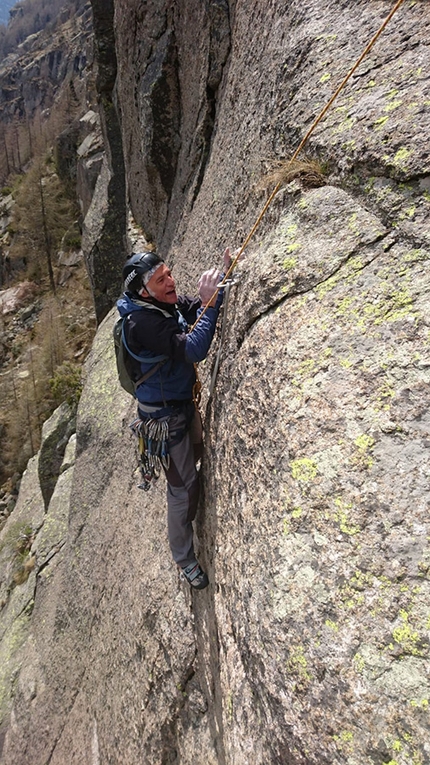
[197,388]
[153,436]
[227,287]
[195,576]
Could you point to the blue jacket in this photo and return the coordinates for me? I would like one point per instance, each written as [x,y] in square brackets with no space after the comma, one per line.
[154,329]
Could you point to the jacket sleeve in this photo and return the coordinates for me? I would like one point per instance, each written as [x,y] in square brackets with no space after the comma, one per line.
[199,340]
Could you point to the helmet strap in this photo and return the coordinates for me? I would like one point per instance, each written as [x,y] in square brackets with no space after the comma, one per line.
[147,290]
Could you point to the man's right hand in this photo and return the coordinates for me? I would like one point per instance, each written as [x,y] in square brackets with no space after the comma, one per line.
[208,287]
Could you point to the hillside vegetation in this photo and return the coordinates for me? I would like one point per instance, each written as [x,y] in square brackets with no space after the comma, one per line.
[31,16]
[46,312]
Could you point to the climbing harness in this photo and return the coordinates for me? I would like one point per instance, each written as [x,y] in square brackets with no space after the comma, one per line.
[153,436]
[316,122]
[227,285]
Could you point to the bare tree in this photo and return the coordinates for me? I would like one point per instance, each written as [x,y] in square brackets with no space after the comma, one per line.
[46,235]
[42,214]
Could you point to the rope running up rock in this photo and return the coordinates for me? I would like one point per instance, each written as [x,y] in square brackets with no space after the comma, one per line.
[316,122]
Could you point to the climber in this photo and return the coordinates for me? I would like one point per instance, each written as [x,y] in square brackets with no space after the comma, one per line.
[156,329]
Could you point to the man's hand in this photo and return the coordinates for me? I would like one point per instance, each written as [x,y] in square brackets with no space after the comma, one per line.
[208,287]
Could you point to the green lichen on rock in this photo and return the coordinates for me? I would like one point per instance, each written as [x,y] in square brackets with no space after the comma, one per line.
[406,637]
[297,666]
[341,517]
[10,659]
[364,444]
[380,122]
[304,469]
[290,263]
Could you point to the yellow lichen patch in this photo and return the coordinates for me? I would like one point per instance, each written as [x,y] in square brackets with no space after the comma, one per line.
[384,393]
[290,263]
[404,636]
[364,443]
[349,146]
[305,368]
[408,213]
[379,123]
[423,704]
[344,740]
[296,512]
[341,517]
[351,593]
[399,158]
[343,306]
[297,666]
[346,124]
[309,367]
[393,105]
[304,469]
[293,247]
[331,625]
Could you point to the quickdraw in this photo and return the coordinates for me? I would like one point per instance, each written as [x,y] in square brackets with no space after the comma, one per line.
[197,388]
[153,437]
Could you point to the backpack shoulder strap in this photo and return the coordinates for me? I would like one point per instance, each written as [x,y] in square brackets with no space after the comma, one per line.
[149,374]
[142,359]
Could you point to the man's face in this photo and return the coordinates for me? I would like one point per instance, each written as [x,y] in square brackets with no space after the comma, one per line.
[161,285]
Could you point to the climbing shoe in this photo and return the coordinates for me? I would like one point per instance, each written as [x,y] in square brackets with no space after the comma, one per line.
[195,575]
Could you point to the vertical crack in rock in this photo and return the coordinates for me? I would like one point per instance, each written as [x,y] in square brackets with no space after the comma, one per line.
[55,437]
[208,634]
[104,239]
[159,101]
[219,49]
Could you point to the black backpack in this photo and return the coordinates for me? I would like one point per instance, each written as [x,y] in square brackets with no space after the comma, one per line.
[122,351]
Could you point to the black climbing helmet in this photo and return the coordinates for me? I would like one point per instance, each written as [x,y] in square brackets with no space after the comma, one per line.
[135,268]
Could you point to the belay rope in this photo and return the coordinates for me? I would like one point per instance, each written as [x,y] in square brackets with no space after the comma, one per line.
[153,436]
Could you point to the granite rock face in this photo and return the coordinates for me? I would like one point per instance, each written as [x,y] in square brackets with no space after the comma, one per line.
[170,66]
[311,645]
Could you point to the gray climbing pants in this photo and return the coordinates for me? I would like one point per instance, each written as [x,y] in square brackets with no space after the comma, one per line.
[183,485]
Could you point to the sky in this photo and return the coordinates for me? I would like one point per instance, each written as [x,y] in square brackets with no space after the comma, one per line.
[4,10]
